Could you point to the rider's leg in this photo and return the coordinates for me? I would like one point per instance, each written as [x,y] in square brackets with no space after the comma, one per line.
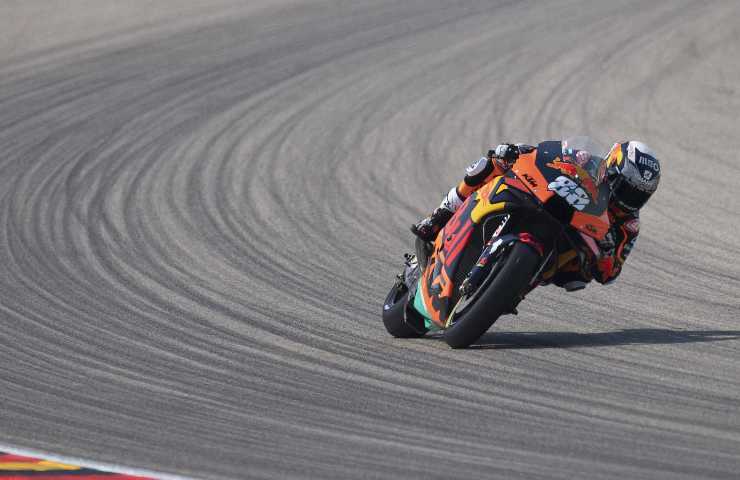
[428,227]
[476,175]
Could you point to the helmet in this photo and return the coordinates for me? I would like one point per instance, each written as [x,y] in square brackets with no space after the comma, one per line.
[633,173]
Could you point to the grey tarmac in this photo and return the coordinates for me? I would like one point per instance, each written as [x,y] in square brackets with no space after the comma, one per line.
[204,203]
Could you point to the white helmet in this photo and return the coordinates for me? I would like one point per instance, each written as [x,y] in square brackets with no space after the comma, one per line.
[634,174]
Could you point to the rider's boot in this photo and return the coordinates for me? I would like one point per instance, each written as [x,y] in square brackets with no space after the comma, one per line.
[428,228]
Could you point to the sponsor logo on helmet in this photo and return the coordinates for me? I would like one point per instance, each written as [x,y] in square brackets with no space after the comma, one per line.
[647,177]
[641,176]
[648,161]
[642,157]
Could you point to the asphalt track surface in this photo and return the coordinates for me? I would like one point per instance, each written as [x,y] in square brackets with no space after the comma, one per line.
[203,204]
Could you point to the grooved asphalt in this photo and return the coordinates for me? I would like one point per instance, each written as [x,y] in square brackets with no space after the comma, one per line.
[202,208]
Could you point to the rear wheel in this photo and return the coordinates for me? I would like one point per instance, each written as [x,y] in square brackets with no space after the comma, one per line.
[394,314]
[474,313]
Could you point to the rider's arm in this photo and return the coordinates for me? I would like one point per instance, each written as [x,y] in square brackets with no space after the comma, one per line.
[624,231]
[497,162]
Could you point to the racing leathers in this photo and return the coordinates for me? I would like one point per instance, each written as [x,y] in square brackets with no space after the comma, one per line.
[615,247]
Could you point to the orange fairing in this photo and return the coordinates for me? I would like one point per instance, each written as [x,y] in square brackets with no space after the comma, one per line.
[591,225]
[437,284]
[530,175]
[484,192]
[484,206]
[450,243]
[437,258]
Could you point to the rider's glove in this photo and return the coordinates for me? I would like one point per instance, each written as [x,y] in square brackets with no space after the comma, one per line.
[505,154]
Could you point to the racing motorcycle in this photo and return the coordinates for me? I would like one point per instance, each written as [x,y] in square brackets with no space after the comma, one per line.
[511,235]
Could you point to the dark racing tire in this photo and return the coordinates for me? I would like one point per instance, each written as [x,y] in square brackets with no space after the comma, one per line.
[499,294]
[395,315]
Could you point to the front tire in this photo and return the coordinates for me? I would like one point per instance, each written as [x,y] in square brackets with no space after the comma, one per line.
[496,296]
[394,313]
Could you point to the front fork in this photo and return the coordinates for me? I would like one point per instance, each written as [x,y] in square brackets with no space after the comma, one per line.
[492,250]
[484,263]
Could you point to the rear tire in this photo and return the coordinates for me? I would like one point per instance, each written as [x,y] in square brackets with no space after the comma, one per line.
[500,295]
[394,313]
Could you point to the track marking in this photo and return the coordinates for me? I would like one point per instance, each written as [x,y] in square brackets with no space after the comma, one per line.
[28,463]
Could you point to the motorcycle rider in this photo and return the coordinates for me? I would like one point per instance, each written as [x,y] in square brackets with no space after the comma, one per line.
[633,172]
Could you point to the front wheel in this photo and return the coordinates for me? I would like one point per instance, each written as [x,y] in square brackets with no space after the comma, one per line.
[499,294]
[395,314]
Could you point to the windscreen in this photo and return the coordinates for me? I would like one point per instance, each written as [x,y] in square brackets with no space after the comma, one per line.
[587,154]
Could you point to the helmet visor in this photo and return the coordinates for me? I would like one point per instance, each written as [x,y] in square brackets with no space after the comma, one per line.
[630,197]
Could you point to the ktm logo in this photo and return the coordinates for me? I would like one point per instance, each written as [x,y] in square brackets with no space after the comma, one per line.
[530,180]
